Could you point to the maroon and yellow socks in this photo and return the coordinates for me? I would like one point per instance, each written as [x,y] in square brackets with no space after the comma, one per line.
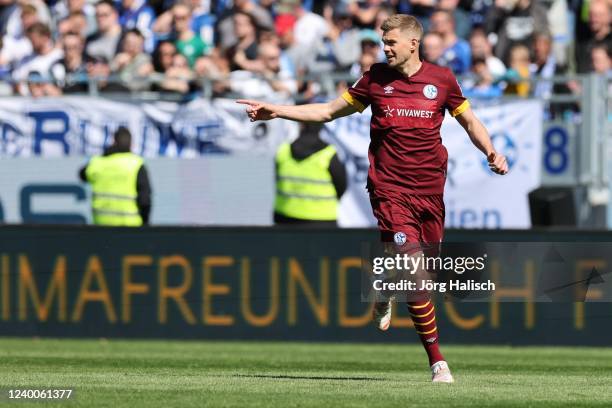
[423,315]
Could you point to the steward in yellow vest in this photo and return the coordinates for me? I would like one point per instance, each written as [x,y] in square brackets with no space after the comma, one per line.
[121,193]
[310,179]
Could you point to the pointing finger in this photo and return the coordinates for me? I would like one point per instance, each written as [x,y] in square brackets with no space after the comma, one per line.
[246,102]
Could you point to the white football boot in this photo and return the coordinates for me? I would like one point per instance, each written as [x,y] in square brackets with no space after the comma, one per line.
[440,373]
[381,314]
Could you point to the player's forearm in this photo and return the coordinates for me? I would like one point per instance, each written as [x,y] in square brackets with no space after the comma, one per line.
[314,112]
[480,137]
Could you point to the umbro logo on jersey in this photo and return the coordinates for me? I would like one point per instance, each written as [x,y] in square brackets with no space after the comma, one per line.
[388,89]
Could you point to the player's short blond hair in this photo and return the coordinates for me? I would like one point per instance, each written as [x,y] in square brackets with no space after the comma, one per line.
[404,22]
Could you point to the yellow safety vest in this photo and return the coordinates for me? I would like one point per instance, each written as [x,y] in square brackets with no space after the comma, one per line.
[113,181]
[304,189]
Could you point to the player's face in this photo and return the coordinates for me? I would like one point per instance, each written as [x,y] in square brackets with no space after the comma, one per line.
[399,46]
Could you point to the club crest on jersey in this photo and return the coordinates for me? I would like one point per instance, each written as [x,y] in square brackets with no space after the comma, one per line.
[430,91]
[388,89]
[399,238]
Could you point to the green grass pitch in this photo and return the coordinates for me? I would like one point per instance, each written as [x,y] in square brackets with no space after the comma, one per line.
[128,373]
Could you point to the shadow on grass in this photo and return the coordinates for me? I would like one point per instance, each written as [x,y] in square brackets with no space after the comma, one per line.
[306,377]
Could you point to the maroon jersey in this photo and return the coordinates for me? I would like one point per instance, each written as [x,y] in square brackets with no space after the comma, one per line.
[406,152]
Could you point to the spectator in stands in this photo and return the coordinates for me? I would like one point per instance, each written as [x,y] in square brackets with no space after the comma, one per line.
[518,73]
[132,64]
[98,69]
[312,28]
[8,9]
[365,62]
[602,64]
[203,22]
[269,80]
[298,56]
[462,19]
[364,12]
[270,36]
[187,42]
[105,41]
[343,37]
[371,47]
[433,49]
[15,48]
[600,60]
[421,9]
[226,30]
[456,50]
[14,26]
[478,10]
[600,20]
[76,22]
[63,9]
[179,78]
[544,66]
[137,14]
[512,22]
[371,43]
[481,49]
[163,55]
[243,54]
[39,86]
[481,83]
[71,68]
[558,15]
[44,54]
[340,47]
[216,67]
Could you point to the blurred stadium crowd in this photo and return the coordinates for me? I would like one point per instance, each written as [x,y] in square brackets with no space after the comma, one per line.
[259,48]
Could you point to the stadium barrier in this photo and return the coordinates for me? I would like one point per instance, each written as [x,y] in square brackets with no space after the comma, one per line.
[253,283]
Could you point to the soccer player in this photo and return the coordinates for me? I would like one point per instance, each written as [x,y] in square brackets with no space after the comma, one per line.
[408,162]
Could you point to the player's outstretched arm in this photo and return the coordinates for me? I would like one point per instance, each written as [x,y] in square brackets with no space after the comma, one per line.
[480,137]
[314,112]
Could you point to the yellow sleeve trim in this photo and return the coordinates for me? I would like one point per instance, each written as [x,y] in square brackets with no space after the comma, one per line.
[461,108]
[353,101]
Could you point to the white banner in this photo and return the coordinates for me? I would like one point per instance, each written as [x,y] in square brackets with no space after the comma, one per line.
[52,127]
[475,197]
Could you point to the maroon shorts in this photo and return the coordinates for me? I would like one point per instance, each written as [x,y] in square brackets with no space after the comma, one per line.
[408,217]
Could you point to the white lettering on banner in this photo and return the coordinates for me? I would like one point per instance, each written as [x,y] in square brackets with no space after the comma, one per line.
[83,126]
[474,196]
